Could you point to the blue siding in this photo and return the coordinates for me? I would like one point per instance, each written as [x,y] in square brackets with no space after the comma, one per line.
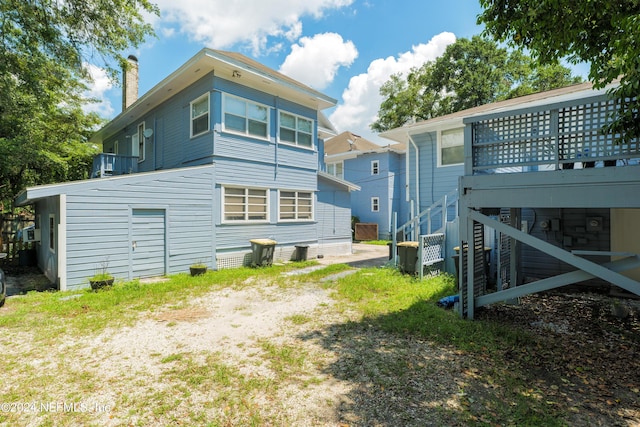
[388,186]
[435,182]
[233,237]
[333,213]
[99,221]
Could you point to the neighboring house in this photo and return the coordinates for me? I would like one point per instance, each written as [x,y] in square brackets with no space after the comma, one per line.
[379,171]
[534,174]
[565,218]
[436,159]
[222,151]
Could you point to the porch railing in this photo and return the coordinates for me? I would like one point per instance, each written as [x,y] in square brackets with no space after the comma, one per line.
[434,218]
[107,164]
[561,136]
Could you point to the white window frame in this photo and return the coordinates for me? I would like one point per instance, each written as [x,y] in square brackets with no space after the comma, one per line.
[246,132]
[296,130]
[141,142]
[375,167]
[296,205]
[334,166]
[52,233]
[116,147]
[193,118]
[375,204]
[441,143]
[246,205]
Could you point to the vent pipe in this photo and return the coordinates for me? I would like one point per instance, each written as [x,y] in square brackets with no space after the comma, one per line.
[130,82]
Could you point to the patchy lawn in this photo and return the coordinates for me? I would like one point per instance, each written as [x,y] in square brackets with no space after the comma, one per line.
[320,348]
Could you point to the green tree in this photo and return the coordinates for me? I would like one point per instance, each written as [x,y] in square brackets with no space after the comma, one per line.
[469,73]
[45,48]
[604,34]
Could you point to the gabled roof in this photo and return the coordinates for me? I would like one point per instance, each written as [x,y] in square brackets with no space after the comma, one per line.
[565,94]
[348,145]
[346,142]
[228,65]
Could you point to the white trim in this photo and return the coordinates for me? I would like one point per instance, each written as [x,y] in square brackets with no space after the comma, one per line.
[246,204]
[62,244]
[375,204]
[208,113]
[246,132]
[375,167]
[140,134]
[296,207]
[439,146]
[335,164]
[296,130]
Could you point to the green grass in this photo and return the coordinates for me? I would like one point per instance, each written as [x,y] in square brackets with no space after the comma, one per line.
[406,307]
[376,242]
[379,299]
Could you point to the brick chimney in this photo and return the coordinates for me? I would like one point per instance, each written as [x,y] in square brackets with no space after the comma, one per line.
[130,82]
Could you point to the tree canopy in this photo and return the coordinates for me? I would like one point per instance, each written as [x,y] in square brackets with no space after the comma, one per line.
[604,34]
[45,49]
[469,73]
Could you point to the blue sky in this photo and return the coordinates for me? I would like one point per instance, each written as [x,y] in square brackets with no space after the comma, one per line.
[345,48]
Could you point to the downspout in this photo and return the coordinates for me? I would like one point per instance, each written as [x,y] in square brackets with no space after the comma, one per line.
[277,135]
[154,142]
[417,175]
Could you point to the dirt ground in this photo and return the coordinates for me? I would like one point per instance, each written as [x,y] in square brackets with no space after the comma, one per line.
[585,363]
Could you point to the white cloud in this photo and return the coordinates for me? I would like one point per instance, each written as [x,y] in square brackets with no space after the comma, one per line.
[221,23]
[361,99]
[98,87]
[315,60]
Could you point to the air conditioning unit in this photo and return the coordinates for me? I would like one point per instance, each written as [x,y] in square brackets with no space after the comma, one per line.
[31,235]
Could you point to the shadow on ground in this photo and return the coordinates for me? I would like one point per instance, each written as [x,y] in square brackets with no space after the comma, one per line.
[22,279]
[400,377]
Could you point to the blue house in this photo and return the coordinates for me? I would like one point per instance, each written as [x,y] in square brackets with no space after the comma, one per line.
[540,183]
[379,171]
[222,151]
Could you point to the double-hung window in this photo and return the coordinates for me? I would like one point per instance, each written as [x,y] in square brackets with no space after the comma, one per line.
[375,167]
[451,147]
[335,169]
[296,130]
[200,115]
[246,117]
[375,204]
[296,205]
[245,204]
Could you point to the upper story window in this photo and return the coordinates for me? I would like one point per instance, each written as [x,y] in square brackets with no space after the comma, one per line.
[245,117]
[200,115]
[335,169]
[296,206]
[451,147]
[245,205]
[375,167]
[141,142]
[296,130]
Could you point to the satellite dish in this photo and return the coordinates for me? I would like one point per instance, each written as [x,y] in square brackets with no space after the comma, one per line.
[147,133]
